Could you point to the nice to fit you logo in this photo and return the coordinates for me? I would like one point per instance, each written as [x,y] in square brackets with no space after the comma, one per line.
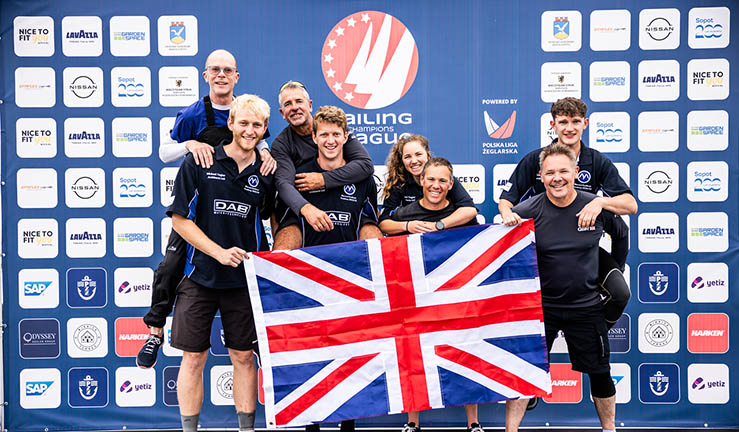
[369,60]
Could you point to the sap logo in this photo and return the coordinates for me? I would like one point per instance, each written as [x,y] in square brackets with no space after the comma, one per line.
[230,208]
[717,333]
[33,289]
[82,35]
[342,218]
[658,231]
[699,283]
[583,176]
[617,379]
[132,190]
[564,383]
[37,388]
[659,79]
[130,90]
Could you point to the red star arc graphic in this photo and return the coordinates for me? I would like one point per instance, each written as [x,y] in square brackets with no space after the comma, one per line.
[369,60]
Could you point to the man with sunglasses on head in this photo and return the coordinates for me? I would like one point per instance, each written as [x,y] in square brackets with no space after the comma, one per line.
[294,146]
[198,129]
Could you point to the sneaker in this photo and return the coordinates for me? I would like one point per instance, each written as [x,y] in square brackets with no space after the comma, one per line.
[411,427]
[475,428]
[533,402]
[147,357]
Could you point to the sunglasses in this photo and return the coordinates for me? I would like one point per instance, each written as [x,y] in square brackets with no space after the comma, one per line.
[292,83]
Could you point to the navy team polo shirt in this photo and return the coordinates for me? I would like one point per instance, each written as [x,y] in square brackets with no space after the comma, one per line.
[228,206]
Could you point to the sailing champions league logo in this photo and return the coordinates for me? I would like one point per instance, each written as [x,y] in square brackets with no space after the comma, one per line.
[369,60]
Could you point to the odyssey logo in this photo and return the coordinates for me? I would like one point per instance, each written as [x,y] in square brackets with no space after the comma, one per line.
[369,60]
[500,132]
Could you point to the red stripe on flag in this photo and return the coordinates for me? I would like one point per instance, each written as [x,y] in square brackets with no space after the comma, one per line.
[402,296]
[489,370]
[322,388]
[512,237]
[319,276]
[405,322]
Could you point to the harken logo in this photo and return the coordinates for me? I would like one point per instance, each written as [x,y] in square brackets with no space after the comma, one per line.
[503,131]
[369,60]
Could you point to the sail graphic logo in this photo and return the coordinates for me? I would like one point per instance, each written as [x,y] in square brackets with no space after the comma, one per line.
[503,131]
[369,60]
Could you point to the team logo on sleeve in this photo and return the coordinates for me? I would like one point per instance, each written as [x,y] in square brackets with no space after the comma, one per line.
[369,60]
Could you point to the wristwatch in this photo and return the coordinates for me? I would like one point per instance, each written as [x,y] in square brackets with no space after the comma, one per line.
[439,225]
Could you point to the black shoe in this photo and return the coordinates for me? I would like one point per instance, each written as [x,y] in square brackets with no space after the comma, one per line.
[533,402]
[411,427]
[475,428]
[147,356]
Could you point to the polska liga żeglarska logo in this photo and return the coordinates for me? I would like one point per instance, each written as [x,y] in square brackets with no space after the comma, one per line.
[369,60]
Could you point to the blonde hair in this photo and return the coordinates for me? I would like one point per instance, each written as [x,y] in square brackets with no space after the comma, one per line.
[397,175]
[332,115]
[251,103]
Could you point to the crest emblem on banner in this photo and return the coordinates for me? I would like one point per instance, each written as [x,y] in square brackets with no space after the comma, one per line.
[369,60]
[659,383]
[88,387]
[177,33]
[86,288]
[561,28]
[658,283]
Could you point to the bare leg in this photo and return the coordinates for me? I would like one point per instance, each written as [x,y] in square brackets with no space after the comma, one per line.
[514,412]
[471,411]
[157,331]
[414,417]
[606,409]
[288,237]
[190,382]
[245,380]
[369,231]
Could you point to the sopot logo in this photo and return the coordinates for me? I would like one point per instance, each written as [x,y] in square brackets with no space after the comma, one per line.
[705,28]
[177,33]
[369,60]
[561,27]
[88,387]
[659,383]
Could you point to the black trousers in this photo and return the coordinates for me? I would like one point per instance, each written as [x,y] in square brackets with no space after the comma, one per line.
[167,276]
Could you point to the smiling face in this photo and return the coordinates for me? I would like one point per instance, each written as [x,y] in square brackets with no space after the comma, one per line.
[330,139]
[436,183]
[569,128]
[558,175]
[295,106]
[414,158]
[248,129]
[220,73]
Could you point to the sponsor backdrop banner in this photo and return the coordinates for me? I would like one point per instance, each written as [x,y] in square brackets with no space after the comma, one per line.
[90,93]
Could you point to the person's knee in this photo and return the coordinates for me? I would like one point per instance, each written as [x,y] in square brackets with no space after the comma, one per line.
[288,237]
[601,385]
[369,231]
[193,361]
[242,359]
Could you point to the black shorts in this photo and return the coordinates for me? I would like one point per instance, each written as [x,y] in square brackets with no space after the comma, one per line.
[586,335]
[195,308]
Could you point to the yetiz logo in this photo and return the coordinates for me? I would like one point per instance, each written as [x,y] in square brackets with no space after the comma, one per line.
[40,388]
[708,383]
[135,387]
[500,132]
[132,286]
[708,282]
[369,60]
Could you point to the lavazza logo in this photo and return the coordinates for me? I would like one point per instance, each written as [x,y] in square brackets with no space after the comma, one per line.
[658,232]
[369,75]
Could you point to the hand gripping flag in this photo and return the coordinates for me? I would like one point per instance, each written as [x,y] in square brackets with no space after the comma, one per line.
[399,324]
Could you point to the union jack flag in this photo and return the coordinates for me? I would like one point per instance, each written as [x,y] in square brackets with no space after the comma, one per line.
[399,324]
